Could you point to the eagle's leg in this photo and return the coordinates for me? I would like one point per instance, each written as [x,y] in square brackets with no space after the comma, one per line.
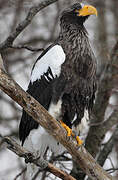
[70,132]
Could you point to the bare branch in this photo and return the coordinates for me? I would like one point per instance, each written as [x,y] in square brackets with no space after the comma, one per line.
[30,48]
[111,170]
[21,26]
[102,101]
[20,173]
[1,63]
[113,120]
[107,148]
[34,109]
[30,158]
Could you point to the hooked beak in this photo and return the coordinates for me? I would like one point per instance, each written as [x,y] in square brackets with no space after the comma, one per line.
[87,10]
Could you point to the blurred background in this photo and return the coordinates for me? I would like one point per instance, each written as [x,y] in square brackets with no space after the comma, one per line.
[43,30]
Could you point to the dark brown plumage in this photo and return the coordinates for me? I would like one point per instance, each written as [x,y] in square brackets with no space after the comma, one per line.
[63,80]
[73,82]
[78,72]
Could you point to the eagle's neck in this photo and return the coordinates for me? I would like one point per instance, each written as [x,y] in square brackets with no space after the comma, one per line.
[74,40]
[73,35]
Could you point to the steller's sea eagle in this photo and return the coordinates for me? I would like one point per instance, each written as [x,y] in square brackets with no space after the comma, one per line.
[63,80]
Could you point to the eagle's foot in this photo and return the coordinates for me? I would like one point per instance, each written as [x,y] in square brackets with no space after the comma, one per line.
[71,133]
[79,141]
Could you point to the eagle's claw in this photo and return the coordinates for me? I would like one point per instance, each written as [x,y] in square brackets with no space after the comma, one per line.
[79,141]
[71,133]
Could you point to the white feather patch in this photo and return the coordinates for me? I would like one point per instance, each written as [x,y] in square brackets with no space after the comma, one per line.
[55,109]
[38,141]
[83,127]
[54,58]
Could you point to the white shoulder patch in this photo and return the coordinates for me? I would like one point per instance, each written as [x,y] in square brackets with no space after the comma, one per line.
[54,58]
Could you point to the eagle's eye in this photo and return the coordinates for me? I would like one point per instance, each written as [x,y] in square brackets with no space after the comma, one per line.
[76,10]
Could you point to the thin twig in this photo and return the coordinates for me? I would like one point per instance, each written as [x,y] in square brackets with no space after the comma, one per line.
[17,176]
[107,148]
[111,170]
[30,48]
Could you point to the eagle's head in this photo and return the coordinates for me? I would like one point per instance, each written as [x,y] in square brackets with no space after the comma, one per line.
[78,13]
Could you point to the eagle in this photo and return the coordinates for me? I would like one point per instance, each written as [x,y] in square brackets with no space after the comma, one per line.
[63,80]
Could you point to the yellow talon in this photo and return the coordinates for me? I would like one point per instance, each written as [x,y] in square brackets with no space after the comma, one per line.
[79,141]
[69,133]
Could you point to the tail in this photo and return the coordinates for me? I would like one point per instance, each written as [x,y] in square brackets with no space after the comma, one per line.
[38,142]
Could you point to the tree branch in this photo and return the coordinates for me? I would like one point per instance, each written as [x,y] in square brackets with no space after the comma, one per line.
[104,92]
[18,175]
[21,26]
[30,158]
[30,48]
[107,148]
[34,109]
[1,63]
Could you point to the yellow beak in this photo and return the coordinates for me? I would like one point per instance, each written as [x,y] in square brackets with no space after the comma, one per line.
[87,10]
